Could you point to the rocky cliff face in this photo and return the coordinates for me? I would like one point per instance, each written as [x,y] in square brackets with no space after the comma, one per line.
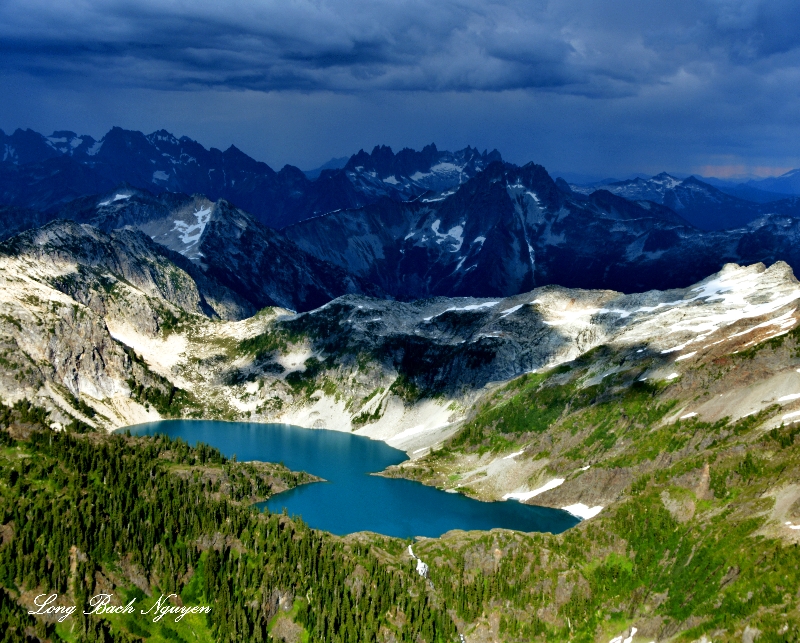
[64,287]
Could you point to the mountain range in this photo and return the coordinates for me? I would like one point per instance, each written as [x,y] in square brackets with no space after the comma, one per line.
[505,231]
[409,225]
[45,172]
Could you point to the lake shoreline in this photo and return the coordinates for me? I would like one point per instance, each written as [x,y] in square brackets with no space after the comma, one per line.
[358,496]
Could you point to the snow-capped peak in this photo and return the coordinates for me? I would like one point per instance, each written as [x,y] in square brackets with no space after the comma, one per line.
[116,197]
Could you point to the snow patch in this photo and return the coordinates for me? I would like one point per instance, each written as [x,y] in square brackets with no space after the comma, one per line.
[789,398]
[422,568]
[583,511]
[628,639]
[442,196]
[688,415]
[117,197]
[160,175]
[511,456]
[511,310]
[784,321]
[190,234]
[487,304]
[687,356]
[731,291]
[455,233]
[522,496]
[446,168]
[415,430]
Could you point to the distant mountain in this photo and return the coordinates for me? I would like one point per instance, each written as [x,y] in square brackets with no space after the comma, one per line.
[46,172]
[411,173]
[14,220]
[702,204]
[743,191]
[788,183]
[505,231]
[406,225]
[333,164]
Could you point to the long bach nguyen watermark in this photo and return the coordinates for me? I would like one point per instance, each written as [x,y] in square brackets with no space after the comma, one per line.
[46,605]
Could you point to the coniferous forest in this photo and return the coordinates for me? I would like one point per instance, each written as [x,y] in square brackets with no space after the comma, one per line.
[84,514]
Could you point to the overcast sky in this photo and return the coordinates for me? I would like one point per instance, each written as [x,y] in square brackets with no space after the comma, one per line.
[605,87]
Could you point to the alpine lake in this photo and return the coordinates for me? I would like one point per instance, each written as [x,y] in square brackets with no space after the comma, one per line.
[351,500]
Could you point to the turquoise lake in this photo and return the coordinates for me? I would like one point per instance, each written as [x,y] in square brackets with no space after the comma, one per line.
[352,500]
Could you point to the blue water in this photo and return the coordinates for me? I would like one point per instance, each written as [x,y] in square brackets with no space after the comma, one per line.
[352,500]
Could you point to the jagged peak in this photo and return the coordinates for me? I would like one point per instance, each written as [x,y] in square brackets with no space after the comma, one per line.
[163,135]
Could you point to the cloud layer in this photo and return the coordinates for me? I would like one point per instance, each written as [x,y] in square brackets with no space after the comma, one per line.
[597,48]
[602,86]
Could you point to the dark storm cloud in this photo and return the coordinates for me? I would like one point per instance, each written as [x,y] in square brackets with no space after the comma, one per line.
[606,48]
[602,87]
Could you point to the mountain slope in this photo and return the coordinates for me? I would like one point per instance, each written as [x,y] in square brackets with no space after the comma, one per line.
[225,244]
